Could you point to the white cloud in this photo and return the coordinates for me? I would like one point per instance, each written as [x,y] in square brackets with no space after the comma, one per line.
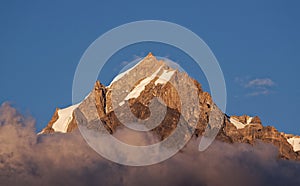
[263,82]
[257,86]
[260,91]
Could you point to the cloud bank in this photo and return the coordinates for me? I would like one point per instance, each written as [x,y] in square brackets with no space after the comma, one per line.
[66,159]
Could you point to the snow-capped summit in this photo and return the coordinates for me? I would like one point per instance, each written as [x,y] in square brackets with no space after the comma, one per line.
[151,78]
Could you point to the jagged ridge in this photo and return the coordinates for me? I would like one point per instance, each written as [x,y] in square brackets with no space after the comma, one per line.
[156,83]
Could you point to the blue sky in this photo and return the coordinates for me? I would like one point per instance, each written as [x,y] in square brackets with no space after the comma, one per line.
[256,43]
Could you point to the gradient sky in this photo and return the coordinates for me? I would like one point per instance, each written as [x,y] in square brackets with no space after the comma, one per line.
[256,43]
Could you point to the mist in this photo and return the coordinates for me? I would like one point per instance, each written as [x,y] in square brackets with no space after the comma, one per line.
[65,159]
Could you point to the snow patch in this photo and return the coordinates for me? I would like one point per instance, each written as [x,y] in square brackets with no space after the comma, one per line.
[135,93]
[236,123]
[165,77]
[121,103]
[119,76]
[295,142]
[65,116]
[249,120]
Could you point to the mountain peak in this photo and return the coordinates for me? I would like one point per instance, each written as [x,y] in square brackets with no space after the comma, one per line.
[151,78]
[145,67]
[150,55]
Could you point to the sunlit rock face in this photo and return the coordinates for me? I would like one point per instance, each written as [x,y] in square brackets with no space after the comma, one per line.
[169,91]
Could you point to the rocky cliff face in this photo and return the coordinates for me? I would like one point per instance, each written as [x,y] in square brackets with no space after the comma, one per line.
[254,131]
[170,92]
